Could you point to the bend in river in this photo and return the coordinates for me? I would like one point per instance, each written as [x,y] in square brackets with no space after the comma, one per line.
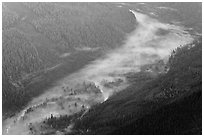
[90,85]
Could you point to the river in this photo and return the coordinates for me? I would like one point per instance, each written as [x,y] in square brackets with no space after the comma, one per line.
[144,45]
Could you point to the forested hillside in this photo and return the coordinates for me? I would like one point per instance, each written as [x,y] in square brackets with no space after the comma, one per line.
[169,104]
[39,38]
[101,68]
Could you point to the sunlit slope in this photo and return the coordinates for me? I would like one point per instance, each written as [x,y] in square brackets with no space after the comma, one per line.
[48,38]
[118,85]
[188,14]
[143,46]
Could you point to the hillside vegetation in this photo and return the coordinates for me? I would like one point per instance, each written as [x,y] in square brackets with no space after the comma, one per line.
[41,38]
[61,48]
[169,104]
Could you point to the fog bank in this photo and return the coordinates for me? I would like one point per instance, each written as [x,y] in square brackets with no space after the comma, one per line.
[149,42]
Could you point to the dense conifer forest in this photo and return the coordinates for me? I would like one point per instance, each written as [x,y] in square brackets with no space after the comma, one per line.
[102,68]
[39,36]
